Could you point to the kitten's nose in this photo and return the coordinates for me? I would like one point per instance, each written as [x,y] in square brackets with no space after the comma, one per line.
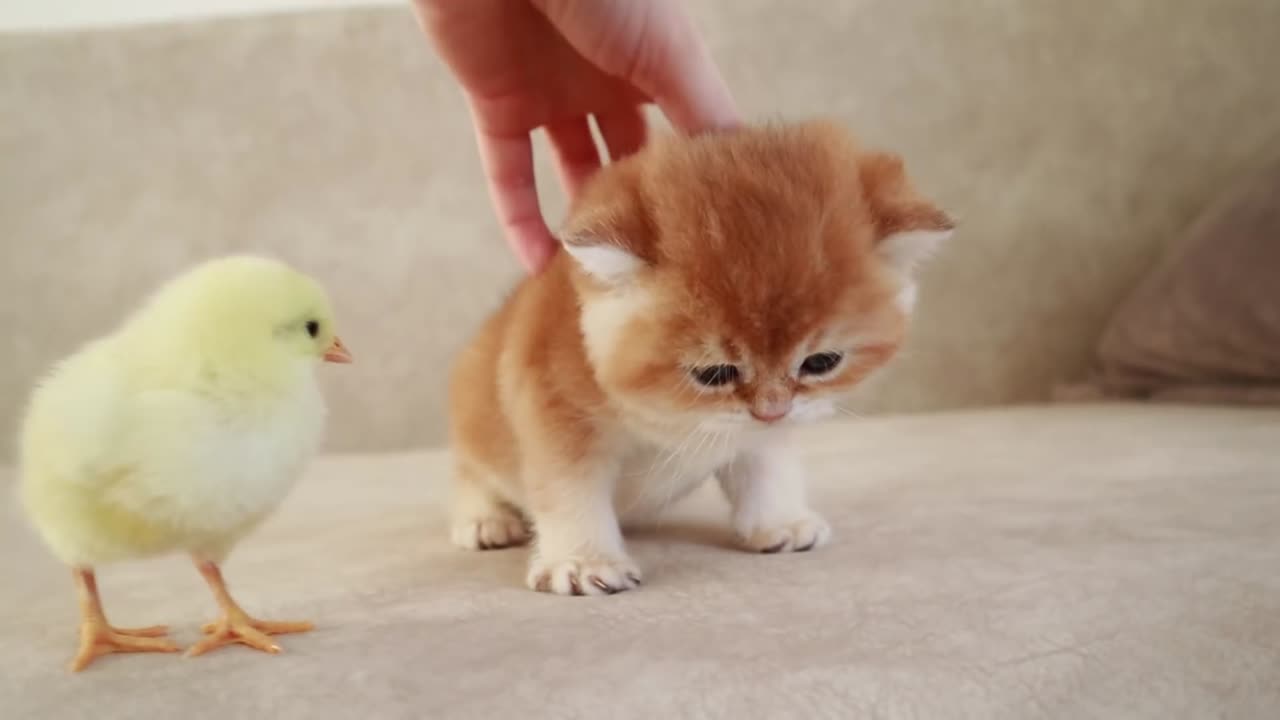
[771,407]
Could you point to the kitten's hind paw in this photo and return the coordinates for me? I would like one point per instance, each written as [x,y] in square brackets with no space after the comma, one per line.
[800,535]
[499,528]
[590,576]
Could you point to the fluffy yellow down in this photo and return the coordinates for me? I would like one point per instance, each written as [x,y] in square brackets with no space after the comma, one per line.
[186,426]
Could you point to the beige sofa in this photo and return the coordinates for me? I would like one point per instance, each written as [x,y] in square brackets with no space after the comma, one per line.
[996,556]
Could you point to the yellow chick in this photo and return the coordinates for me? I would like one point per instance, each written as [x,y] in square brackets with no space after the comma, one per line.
[180,431]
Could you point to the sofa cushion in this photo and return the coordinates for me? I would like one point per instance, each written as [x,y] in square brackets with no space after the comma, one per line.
[1204,326]
[1076,561]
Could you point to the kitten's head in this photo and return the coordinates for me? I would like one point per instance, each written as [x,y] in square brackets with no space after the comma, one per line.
[747,277]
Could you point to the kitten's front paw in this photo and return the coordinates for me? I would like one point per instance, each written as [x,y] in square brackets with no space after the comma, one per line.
[583,576]
[498,528]
[804,533]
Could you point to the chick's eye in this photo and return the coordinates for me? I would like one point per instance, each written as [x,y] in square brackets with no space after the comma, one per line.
[715,375]
[820,363]
[313,328]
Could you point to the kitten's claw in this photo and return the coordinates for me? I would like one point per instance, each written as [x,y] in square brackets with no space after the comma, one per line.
[500,529]
[777,547]
[595,576]
[801,535]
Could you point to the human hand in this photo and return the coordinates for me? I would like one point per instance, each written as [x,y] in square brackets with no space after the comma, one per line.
[554,64]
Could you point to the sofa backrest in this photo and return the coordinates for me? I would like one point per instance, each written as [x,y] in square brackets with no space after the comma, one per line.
[1070,142]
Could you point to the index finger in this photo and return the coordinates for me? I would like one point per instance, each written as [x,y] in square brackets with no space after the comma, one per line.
[507,160]
[688,87]
[656,47]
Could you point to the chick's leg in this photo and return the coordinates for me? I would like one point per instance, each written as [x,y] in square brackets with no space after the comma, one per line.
[235,625]
[98,638]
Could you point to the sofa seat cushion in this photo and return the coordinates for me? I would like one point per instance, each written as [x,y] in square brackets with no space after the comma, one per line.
[1076,561]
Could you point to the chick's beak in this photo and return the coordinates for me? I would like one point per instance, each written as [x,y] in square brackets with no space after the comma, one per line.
[337,352]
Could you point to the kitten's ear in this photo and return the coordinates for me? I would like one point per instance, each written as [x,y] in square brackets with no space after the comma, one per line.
[601,254]
[607,263]
[910,229]
[907,249]
[601,235]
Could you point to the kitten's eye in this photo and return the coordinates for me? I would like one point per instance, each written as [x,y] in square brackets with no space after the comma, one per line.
[313,328]
[715,375]
[820,363]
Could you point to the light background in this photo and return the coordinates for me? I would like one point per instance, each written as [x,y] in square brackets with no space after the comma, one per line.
[55,14]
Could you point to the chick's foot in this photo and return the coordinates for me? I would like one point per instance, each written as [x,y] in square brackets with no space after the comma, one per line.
[240,628]
[235,625]
[98,637]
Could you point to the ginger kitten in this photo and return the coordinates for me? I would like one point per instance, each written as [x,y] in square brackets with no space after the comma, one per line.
[716,291]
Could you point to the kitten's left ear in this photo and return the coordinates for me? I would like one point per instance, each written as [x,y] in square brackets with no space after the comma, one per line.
[910,229]
[598,249]
[605,229]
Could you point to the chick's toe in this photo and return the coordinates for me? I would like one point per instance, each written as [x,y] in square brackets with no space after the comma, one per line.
[97,639]
[240,628]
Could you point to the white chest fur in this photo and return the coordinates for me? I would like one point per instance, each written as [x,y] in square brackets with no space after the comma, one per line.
[653,476]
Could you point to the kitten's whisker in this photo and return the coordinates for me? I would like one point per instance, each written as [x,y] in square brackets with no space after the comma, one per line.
[673,455]
[848,412]
[641,493]
[729,436]
[671,484]
[676,452]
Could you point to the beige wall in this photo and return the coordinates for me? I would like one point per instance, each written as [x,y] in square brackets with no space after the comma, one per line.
[1070,144]
[60,14]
